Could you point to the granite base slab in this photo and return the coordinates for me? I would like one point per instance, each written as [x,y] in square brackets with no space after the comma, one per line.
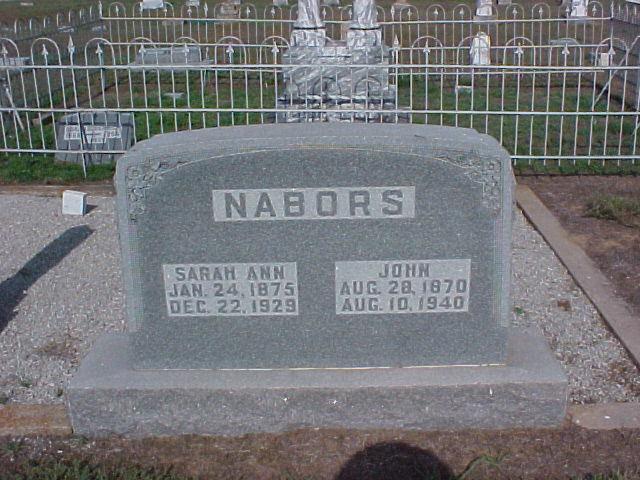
[108,397]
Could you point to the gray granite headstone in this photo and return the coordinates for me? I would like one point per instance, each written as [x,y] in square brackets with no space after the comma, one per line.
[308,247]
[174,56]
[288,276]
[14,61]
[97,132]
[152,4]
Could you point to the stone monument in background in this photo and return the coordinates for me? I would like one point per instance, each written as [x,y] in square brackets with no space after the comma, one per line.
[152,4]
[288,276]
[319,72]
[579,9]
[99,134]
[480,50]
[485,10]
[228,9]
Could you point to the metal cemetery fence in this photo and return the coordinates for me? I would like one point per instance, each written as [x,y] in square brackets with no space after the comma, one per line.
[556,89]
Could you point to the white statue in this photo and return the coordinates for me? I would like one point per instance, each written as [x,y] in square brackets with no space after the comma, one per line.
[480,51]
[365,14]
[308,15]
[578,8]
[484,8]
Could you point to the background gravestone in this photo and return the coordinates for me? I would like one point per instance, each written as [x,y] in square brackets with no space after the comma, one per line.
[174,56]
[315,263]
[97,132]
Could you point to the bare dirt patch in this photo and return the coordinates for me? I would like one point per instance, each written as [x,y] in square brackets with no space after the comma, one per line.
[613,244]
[567,452]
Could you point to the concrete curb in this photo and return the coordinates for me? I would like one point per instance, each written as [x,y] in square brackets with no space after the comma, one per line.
[26,420]
[97,189]
[606,416]
[615,311]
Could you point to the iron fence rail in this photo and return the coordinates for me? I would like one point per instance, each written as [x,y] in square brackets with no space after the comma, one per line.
[539,113]
[557,89]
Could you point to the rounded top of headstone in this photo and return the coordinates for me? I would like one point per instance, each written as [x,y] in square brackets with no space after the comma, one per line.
[366,135]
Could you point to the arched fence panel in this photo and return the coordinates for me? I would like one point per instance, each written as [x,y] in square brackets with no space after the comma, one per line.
[551,89]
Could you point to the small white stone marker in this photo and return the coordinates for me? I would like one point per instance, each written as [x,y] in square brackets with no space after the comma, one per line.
[74,203]
[604,60]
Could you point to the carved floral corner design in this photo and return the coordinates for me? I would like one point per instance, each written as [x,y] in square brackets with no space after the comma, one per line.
[142,176]
[487,171]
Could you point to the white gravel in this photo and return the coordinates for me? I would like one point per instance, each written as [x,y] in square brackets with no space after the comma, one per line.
[65,309]
[544,295]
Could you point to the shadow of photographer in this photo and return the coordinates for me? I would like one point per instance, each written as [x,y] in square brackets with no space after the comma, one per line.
[394,461]
[14,289]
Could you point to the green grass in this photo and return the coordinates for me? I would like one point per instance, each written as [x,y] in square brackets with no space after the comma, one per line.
[578,167]
[54,470]
[77,470]
[12,10]
[527,135]
[523,134]
[26,169]
[623,210]
[612,476]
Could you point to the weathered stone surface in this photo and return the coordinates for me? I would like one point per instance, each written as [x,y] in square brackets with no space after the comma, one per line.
[455,187]
[316,275]
[97,132]
[108,396]
[174,58]
[74,203]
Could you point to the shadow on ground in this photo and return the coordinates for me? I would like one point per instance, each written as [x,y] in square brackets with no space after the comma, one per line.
[394,461]
[14,289]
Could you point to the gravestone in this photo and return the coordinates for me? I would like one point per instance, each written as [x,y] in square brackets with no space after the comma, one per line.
[97,132]
[176,56]
[485,10]
[313,275]
[349,78]
[14,62]
[579,9]
[152,4]
[228,9]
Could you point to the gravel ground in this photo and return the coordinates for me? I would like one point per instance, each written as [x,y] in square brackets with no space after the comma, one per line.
[545,296]
[55,312]
[67,307]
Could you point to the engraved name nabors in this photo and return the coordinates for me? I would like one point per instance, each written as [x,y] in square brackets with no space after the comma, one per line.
[314,203]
